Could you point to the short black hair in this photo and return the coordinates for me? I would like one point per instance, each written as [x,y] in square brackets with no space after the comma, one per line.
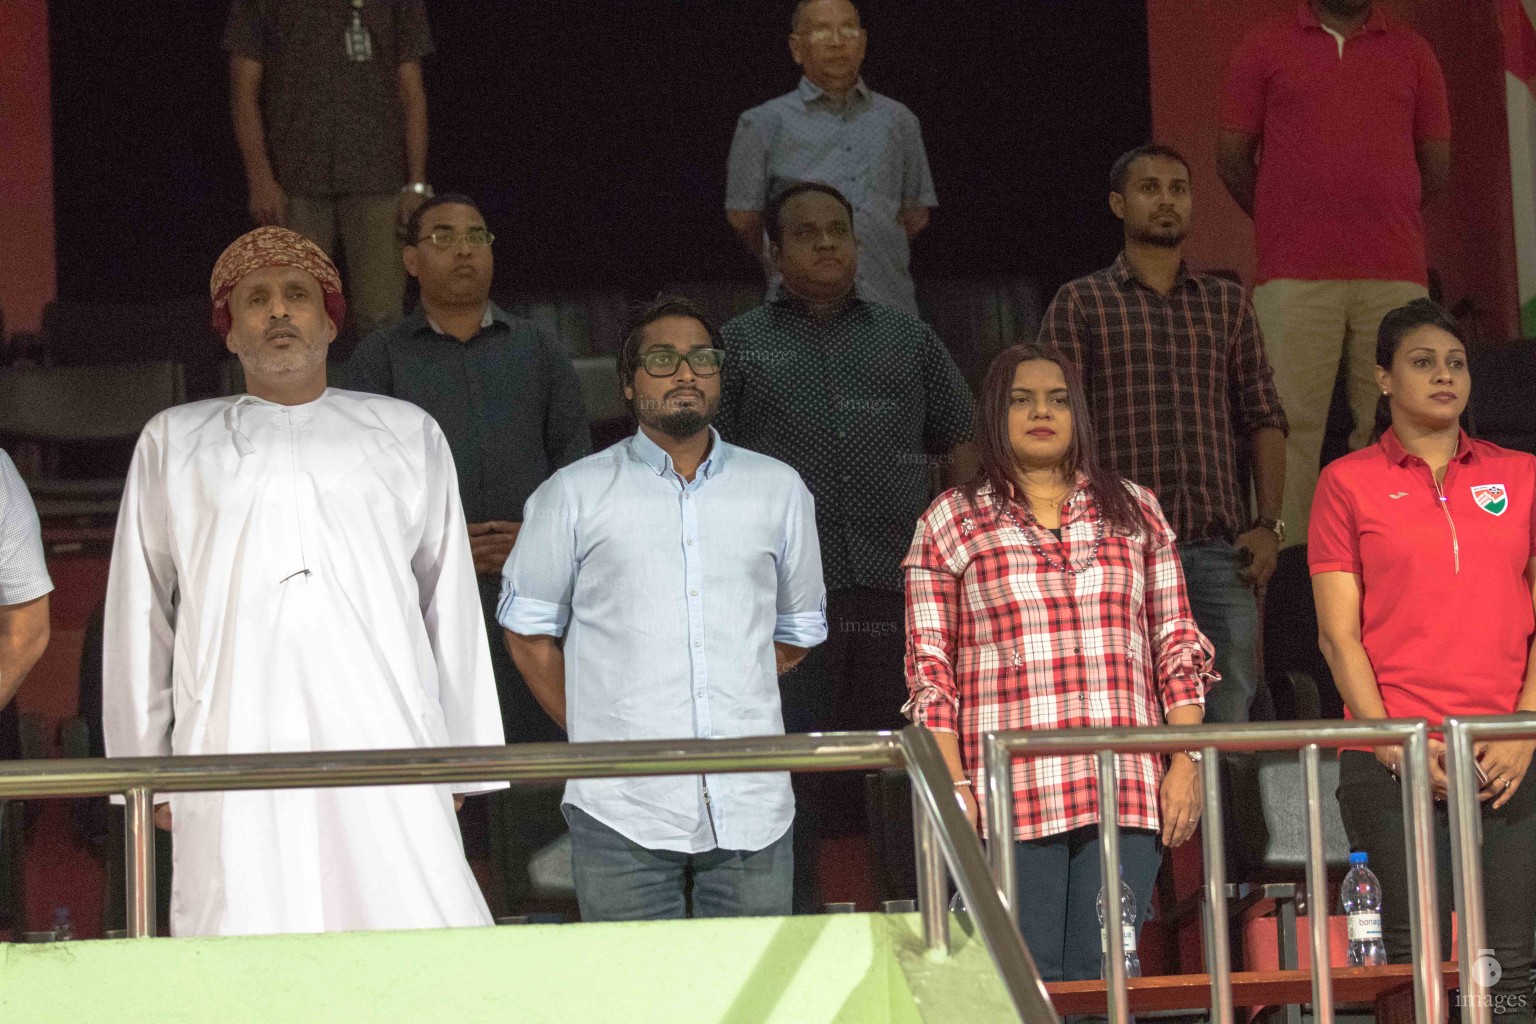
[775,208]
[413,224]
[1122,168]
[642,317]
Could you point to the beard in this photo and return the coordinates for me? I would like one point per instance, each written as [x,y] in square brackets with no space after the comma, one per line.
[683,423]
[1162,238]
[298,360]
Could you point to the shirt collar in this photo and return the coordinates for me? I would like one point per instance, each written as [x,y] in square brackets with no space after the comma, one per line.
[653,455]
[810,92]
[491,314]
[1125,275]
[1307,17]
[1397,453]
[802,308]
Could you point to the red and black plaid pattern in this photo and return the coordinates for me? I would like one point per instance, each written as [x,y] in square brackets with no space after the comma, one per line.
[996,640]
[1175,383]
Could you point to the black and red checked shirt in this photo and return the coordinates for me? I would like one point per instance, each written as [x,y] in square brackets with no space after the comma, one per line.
[1175,383]
[998,639]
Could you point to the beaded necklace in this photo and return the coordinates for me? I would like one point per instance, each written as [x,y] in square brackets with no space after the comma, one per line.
[1034,541]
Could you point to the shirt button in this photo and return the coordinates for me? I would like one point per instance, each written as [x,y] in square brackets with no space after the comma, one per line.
[698,643]
[693,593]
[1079,650]
[690,542]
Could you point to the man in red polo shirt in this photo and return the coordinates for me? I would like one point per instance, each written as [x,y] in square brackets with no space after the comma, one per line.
[1335,130]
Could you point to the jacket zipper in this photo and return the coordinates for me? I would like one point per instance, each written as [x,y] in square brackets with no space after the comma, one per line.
[1445,507]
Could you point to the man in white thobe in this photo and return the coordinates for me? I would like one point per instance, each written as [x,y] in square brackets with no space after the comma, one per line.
[292,573]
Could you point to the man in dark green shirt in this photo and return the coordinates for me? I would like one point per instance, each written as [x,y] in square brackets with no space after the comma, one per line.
[505,394]
[862,400]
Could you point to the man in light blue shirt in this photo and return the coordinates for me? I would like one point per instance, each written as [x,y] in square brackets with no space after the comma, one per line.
[834,129]
[685,576]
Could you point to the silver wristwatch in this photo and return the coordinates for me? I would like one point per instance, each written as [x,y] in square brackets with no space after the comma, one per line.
[1194,755]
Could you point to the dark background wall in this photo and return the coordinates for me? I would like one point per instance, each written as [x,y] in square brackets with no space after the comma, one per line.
[596,133]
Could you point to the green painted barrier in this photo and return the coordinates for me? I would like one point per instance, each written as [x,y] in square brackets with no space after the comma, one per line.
[844,968]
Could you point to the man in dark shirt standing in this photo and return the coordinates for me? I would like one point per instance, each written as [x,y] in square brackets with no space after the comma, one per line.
[331,119]
[861,400]
[1176,376]
[508,400]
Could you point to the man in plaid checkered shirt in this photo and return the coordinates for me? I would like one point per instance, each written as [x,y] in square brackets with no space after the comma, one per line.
[1176,377]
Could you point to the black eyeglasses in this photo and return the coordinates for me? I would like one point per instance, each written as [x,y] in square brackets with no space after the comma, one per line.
[663,362]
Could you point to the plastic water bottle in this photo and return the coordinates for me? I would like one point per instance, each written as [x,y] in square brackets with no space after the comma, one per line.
[1128,930]
[63,927]
[1361,897]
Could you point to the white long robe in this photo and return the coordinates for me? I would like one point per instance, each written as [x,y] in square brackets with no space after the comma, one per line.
[295,579]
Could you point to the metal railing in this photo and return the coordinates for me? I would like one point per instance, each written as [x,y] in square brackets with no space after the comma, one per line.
[1001,748]
[1466,820]
[942,834]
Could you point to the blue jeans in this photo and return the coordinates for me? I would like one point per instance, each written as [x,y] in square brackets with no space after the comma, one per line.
[1228,614]
[1059,882]
[619,880]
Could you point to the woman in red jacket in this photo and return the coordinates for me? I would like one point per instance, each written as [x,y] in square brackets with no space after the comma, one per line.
[1422,548]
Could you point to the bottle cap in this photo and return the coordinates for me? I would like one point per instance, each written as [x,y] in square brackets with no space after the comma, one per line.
[1359,857]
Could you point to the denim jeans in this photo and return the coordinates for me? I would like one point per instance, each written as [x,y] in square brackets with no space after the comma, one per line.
[1228,614]
[1059,882]
[619,880]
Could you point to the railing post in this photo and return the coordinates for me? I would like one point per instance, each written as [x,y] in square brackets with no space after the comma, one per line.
[1319,899]
[961,851]
[1418,812]
[999,797]
[1218,954]
[931,890]
[1467,866]
[1109,868]
[139,860]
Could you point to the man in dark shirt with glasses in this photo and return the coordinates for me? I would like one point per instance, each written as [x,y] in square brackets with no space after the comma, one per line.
[508,400]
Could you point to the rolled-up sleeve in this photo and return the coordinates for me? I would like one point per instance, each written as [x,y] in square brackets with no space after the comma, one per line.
[801,618]
[1184,660]
[933,610]
[540,574]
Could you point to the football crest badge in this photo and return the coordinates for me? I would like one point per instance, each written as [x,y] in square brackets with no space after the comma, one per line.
[1491,498]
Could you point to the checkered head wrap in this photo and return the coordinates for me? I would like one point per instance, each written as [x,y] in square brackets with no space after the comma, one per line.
[272,247]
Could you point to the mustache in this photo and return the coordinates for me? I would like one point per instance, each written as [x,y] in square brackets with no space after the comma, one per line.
[283,328]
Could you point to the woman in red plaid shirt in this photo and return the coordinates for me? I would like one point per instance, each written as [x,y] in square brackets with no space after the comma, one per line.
[1061,606]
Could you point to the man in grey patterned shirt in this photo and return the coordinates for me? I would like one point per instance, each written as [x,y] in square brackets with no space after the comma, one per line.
[834,129]
[24,583]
